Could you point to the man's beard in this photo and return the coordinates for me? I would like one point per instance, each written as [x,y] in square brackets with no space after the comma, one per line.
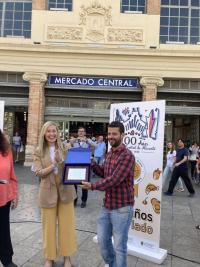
[116,143]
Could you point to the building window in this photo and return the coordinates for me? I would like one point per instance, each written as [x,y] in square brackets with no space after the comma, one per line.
[180,21]
[15,18]
[60,4]
[133,6]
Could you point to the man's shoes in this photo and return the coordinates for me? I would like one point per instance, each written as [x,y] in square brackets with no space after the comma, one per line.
[191,195]
[11,264]
[167,193]
[83,204]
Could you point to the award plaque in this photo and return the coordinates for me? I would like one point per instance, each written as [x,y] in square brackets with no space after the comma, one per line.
[77,166]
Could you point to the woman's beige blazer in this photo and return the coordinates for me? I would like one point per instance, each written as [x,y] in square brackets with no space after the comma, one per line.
[48,192]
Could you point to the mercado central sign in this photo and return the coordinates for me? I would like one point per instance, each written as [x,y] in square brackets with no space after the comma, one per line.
[66,81]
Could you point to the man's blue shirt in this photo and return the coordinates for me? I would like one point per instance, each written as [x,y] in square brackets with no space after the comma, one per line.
[180,153]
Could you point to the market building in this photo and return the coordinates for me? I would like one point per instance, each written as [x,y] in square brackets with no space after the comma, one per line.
[68,60]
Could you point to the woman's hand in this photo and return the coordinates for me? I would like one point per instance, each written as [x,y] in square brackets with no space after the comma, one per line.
[14,203]
[58,157]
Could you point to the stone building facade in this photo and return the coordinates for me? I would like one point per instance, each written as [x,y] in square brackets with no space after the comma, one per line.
[96,39]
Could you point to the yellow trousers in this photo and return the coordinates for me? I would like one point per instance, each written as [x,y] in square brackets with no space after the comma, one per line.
[62,216]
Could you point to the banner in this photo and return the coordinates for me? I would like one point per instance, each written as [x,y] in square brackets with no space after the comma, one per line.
[144,136]
[1,114]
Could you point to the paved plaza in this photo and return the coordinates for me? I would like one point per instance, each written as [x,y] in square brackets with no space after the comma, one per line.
[180,214]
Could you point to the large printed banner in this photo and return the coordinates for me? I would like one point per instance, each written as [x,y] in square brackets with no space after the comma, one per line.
[144,136]
[1,114]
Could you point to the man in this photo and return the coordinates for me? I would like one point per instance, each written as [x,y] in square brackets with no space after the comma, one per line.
[180,170]
[82,142]
[100,150]
[116,214]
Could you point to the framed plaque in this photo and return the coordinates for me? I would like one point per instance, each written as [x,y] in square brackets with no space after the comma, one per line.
[76,174]
[77,166]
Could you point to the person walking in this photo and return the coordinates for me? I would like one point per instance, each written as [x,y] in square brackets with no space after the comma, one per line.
[167,173]
[193,156]
[16,140]
[100,150]
[116,214]
[180,170]
[8,199]
[55,199]
[82,142]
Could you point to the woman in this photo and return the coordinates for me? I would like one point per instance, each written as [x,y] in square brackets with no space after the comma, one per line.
[55,199]
[8,198]
[16,145]
[171,157]
[193,156]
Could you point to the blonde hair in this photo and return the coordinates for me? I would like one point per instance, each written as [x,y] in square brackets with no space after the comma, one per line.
[171,149]
[42,144]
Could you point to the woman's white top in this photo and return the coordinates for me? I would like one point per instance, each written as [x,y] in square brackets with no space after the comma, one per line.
[52,156]
[193,152]
[170,158]
[17,140]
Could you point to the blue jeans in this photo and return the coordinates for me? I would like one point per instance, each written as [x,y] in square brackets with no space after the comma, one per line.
[116,224]
[99,160]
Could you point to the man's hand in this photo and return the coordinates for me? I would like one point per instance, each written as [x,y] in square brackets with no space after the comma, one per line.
[86,185]
[176,164]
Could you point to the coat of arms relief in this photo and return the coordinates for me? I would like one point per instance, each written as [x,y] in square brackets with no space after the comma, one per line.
[95,18]
[95,25]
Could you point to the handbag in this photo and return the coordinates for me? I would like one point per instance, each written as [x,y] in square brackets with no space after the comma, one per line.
[21,148]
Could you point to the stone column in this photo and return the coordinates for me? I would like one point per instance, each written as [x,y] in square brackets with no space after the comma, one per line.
[36,108]
[149,85]
[153,7]
[39,4]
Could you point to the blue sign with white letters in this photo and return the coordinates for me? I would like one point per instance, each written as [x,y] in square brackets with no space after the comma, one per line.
[66,81]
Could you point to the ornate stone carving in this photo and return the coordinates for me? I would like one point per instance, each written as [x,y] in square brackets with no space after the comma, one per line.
[64,33]
[35,77]
[151,81]
[125,35]
[95,17]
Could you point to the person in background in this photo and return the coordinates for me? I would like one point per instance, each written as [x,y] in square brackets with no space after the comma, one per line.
[100,150]
[55,199]
[8,199]
[193,156]
[82,142]
[116,214]
[167,173]
[180,170]
[16,140]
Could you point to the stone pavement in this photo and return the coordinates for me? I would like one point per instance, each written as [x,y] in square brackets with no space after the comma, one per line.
[180,214]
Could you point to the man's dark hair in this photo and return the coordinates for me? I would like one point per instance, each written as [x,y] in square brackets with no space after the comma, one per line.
[117,124]
[180,139]
[81,127]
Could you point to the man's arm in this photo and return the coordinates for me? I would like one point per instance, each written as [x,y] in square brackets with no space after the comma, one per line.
[125,165]
[182,161]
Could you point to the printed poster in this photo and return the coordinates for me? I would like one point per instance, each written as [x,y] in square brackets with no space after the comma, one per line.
[144,136]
